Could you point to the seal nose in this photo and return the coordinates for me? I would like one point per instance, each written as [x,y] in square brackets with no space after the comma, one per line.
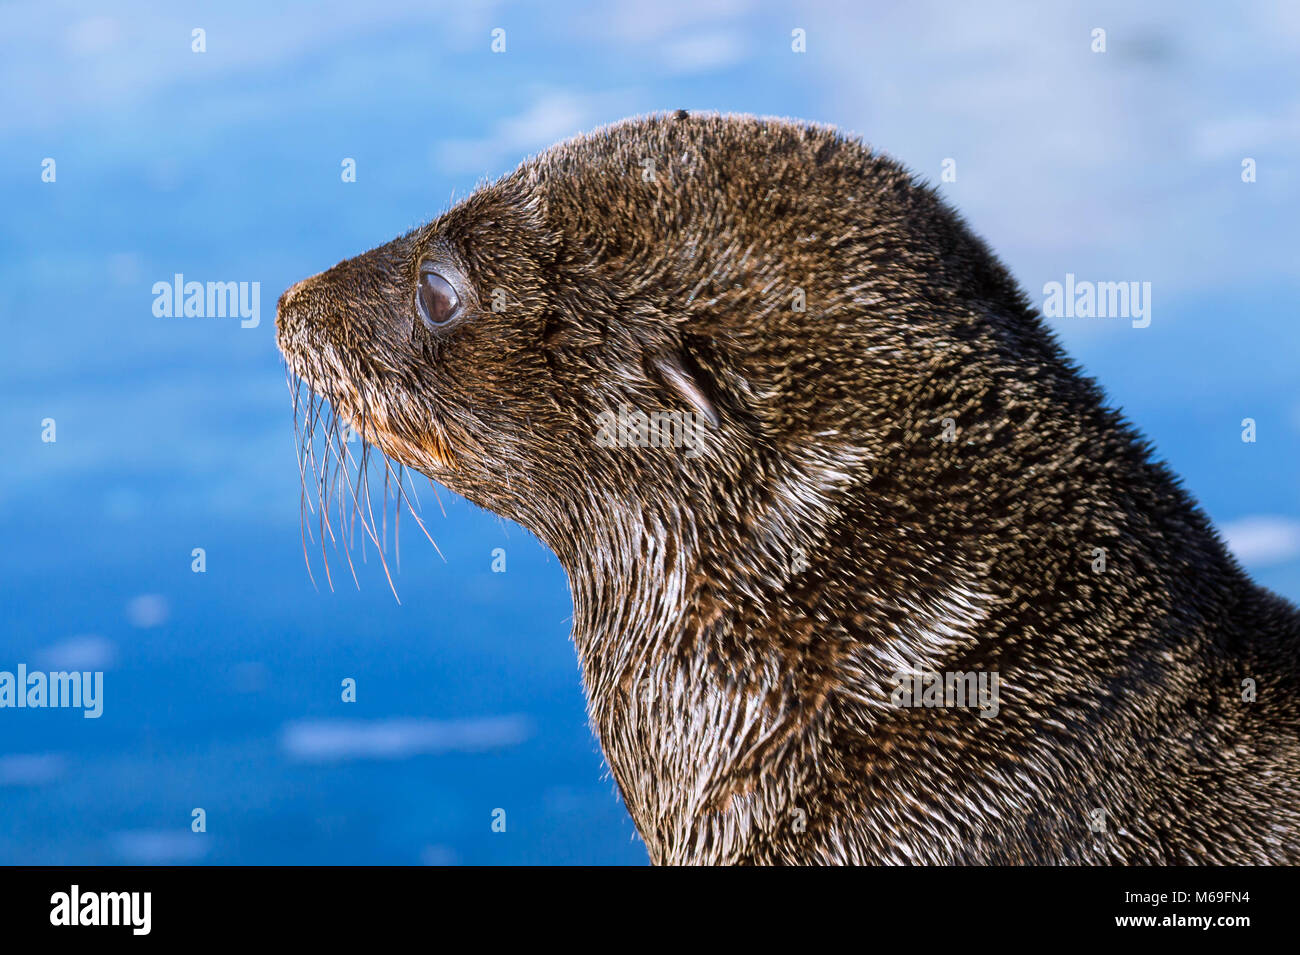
[293,290]
[287,298]
[285,314]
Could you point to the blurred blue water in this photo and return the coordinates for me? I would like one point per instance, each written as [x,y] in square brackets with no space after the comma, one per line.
[176,433]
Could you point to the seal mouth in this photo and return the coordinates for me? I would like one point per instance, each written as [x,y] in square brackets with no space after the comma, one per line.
[370,421]
[332,418]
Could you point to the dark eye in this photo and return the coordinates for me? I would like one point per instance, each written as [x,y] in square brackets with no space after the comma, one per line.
[437,300]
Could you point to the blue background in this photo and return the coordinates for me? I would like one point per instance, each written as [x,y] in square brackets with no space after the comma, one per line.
[222,688]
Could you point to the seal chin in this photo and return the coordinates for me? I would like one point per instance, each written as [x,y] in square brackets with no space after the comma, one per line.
[426,451]
[428,454]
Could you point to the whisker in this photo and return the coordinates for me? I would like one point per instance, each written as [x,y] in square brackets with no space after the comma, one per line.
[294,384]
[327,464]
[335,445]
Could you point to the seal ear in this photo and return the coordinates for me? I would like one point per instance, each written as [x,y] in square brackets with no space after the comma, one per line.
[680,374]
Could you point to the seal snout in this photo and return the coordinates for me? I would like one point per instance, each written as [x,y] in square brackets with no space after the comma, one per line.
[293,320]
[283,313]
[293,290]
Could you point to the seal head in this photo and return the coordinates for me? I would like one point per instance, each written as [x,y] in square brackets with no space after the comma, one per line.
[877,464]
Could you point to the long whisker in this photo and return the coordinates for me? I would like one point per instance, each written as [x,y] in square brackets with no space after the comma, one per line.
[356,507]
[294,384]
[322,435]
[334,444]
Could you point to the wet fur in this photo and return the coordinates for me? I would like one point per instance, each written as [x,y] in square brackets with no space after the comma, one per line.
[739,616]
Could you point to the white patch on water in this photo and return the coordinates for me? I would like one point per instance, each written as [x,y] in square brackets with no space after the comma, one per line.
[85,652]
[318,741]
[159,846]
[1261,540]
[31,769]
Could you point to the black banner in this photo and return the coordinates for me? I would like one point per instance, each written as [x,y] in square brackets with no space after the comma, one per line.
[939,905]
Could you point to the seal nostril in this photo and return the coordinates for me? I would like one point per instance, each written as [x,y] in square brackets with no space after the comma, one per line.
[291,291]
[290,319]
[290,312]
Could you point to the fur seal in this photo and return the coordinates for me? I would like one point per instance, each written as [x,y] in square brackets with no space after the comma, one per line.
[893,474]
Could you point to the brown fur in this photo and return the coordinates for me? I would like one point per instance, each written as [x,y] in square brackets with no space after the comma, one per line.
[740,614]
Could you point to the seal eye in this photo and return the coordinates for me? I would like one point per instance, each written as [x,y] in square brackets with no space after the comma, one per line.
[437,300]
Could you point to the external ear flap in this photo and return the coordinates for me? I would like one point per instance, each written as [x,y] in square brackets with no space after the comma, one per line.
[679,374]
[561,332]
